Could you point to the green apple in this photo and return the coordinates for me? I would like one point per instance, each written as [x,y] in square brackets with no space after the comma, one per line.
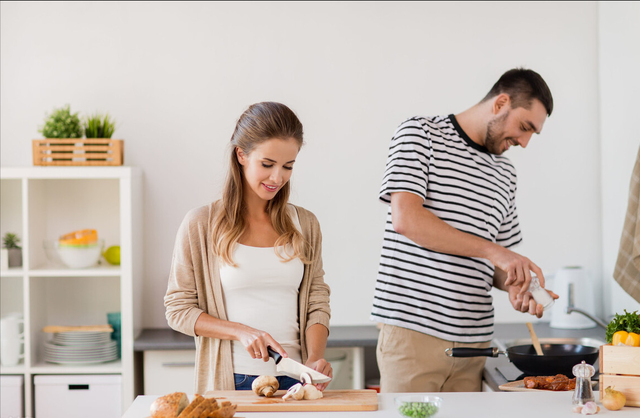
[112,255]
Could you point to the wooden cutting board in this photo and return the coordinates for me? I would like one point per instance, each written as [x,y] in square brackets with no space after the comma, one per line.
[333,400]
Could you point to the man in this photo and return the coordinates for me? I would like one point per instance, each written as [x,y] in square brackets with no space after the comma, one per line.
[451,221]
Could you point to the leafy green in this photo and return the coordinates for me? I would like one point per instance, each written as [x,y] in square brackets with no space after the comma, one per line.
[98,126]
[629,322]
[10,241]
[62,124]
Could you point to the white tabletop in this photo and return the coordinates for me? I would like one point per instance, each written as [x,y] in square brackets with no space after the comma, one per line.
[455,405]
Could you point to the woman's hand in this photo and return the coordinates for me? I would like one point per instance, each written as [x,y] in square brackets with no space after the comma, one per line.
[322,366]
[256,343]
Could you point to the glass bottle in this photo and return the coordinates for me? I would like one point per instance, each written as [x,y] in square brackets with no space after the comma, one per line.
[540,295]
[583,393]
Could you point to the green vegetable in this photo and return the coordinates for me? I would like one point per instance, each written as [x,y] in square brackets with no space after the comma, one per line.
[417,409]
[629,322]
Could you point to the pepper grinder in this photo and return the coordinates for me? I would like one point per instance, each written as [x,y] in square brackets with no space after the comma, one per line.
[583,393]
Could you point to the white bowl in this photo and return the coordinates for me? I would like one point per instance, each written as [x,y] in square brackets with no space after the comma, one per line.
[79,256]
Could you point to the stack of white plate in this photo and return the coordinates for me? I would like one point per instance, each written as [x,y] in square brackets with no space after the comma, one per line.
[80,348]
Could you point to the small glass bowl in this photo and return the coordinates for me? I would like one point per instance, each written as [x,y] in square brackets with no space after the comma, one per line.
[418,406]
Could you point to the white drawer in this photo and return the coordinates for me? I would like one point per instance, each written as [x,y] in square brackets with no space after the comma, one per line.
[11,401]
[81,396]
[168,371]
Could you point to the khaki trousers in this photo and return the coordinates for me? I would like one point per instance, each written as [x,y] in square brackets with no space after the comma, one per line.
[410,361]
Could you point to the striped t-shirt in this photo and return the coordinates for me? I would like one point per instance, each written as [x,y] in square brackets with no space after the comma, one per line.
[444,295]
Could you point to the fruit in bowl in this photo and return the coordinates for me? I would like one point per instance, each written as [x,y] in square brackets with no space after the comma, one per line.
[74,256]
[418,406]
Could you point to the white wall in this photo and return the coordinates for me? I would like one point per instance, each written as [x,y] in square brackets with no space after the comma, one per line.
[177,75]
[619,109]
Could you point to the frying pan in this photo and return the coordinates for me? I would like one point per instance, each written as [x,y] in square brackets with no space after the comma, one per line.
[556,358]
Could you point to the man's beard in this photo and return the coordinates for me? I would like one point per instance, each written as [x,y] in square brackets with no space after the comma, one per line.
[493,140]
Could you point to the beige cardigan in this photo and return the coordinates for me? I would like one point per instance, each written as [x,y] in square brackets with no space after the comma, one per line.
[195,287]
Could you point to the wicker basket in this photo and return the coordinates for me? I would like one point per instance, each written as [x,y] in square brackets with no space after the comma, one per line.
[78,151]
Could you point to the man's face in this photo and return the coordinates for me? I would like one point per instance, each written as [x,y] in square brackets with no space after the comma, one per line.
[511,127]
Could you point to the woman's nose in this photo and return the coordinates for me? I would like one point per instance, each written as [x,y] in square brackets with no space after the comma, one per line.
[276,176]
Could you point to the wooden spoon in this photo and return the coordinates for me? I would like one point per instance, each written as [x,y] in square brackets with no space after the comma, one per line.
[534,339]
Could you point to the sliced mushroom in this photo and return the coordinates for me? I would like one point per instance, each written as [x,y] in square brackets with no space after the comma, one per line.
[296,392]
[265,386]
[311,392]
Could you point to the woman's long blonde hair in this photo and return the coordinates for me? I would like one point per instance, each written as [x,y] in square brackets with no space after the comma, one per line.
[259,123]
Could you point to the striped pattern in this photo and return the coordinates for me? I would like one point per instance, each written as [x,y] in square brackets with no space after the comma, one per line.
[472,190]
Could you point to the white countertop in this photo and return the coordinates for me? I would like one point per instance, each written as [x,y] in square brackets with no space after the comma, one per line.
[455,405]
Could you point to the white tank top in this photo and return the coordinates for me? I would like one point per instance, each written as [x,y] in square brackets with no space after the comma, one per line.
[262,292]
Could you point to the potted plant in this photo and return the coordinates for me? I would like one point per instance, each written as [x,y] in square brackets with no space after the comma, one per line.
[98,126]
[65,144]
[62,124]
[14,251]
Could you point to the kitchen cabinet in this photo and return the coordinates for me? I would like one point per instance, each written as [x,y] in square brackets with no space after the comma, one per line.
[42,203]
[168,371]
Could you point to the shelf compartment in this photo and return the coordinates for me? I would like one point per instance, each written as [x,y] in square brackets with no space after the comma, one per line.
[11,295]
[11,208]
[57,207]
[69,301]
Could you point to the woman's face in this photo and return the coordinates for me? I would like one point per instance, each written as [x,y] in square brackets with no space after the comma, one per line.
[269,166]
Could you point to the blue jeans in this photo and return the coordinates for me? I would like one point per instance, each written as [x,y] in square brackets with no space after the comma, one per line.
[244,381]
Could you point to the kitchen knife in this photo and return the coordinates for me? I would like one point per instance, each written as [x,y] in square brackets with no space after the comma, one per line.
[294,369]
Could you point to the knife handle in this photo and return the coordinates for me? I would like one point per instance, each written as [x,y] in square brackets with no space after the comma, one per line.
[274,354]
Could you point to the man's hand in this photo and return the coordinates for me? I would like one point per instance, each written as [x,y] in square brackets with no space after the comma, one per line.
[524,302]
[518,268]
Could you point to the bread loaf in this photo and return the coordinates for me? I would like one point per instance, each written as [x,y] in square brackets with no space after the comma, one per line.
[186,413]
[169,406]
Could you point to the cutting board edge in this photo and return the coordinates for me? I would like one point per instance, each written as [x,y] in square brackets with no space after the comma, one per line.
[290,407]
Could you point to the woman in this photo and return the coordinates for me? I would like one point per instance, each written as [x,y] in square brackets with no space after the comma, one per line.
[247,269]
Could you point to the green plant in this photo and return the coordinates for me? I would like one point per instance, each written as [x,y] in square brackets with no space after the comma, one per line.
[98,126]
[62,124]
[10,241]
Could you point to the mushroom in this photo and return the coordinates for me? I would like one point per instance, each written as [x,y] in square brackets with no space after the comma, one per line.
[311,392]
[296,392]
[265,386]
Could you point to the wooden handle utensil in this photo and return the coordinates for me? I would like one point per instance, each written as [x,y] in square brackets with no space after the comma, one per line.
[534,339]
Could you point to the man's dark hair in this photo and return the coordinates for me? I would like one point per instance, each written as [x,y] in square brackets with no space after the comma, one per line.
[523,86]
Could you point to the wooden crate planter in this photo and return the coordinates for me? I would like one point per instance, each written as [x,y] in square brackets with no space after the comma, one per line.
[620,367]
[78,151]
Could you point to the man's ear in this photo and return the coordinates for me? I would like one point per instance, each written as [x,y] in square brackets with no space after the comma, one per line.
[242,158]
[500,102]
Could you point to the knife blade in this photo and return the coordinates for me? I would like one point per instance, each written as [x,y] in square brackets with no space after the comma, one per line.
[294,369]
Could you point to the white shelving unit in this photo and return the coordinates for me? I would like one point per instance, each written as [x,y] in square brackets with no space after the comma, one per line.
[42,203]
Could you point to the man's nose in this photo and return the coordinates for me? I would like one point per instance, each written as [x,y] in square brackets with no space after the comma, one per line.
[523,141]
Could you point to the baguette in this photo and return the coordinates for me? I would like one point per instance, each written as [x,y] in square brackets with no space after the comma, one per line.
[169,406]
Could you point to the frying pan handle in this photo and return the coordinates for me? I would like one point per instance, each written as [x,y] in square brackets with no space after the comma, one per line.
[473,352]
